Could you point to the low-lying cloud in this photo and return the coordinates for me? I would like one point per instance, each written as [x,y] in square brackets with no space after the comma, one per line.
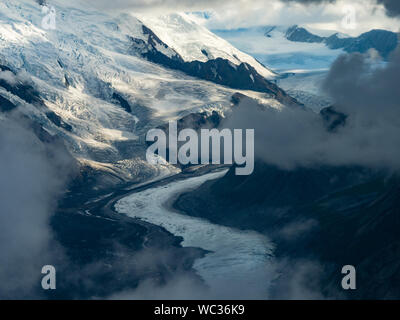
[182,287]
[299,279]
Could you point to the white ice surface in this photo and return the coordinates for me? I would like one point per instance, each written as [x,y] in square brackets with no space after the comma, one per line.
[92,50]
[240,264]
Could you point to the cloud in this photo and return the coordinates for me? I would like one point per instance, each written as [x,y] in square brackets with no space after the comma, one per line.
[367,94]
[153,5]
[296,229]
[323,14]
[32,178]
[299,279]
[286,138]
[307,2]
[392,6]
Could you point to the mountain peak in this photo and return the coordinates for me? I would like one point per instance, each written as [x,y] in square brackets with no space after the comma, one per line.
[381,40]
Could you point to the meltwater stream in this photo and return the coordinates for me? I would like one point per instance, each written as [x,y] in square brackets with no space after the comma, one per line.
[240,262]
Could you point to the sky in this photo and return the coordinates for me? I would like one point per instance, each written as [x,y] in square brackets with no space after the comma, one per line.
[347,16]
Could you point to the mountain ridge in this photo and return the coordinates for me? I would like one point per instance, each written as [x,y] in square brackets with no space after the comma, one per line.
[383,41]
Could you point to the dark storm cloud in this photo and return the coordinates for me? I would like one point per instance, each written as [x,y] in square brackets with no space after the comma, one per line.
[287,138]
[179,287]
[298,279]
[30,184]
[180,284]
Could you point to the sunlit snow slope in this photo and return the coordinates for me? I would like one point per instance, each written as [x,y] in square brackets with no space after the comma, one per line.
[270,45]
[94,92]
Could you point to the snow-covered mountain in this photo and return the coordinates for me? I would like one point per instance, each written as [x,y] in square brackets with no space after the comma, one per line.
[301,65]
[383,41]
[302,57]
[99,80]
[194,42]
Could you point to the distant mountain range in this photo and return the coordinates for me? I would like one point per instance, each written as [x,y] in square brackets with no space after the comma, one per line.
[382,41]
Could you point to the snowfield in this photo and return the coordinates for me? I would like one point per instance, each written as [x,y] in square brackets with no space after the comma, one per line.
[84,67]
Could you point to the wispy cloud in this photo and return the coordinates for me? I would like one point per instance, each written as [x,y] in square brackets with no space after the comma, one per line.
[32,178]
[327,14]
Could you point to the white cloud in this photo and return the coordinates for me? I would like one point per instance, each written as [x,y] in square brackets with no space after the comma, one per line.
[328,16]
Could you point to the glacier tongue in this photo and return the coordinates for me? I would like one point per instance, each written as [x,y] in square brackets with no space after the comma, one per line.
[239,263]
